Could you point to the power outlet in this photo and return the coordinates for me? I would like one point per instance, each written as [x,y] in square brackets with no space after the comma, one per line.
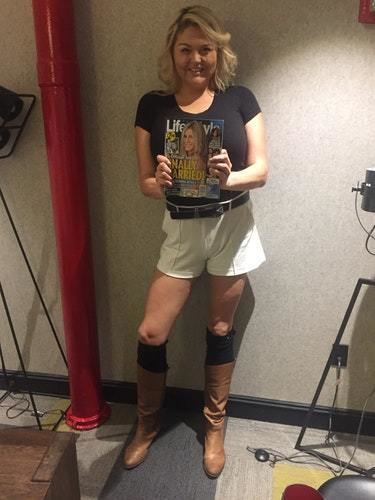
[339,355]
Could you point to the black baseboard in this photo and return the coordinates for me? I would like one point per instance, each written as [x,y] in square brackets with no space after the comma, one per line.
[266,410]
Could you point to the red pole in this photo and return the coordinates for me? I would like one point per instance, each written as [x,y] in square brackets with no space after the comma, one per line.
[366,12]
[58,74]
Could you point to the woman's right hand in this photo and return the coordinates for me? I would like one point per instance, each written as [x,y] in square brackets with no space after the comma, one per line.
[163,173]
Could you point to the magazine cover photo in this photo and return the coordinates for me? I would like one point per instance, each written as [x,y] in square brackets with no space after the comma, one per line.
[189,144]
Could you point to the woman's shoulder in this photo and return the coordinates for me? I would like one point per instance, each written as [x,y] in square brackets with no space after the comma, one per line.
[239,90]
[151,105]
[242,99]
[155,97]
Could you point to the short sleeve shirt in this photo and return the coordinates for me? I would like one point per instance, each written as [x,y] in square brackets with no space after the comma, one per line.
[236,106]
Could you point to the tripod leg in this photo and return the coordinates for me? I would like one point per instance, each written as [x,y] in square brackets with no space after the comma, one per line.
[19,355]
[3,368]
[5,375]
[348,312]
[33,278]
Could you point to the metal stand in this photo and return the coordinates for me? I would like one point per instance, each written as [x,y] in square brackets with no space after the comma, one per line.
[15,126]
[5,305]
[19,357]
[307,449]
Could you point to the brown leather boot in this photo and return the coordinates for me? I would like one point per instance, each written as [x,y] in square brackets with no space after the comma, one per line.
[150,397]
[218,378]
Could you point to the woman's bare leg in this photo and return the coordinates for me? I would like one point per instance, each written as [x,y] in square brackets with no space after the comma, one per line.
[165,299]
[224,296]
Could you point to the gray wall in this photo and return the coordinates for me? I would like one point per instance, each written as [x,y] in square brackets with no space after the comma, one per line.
[312,67]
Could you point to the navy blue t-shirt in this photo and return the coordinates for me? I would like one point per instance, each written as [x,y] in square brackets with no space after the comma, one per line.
[236,106]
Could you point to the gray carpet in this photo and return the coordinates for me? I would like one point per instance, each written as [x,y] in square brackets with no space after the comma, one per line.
[173,469]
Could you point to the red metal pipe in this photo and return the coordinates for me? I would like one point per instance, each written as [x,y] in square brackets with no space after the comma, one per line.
[58,74]
[366,12]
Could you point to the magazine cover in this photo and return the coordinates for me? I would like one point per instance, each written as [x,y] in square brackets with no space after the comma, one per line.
[189,144]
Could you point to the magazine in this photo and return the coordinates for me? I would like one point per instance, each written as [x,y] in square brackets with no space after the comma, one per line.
[189,144]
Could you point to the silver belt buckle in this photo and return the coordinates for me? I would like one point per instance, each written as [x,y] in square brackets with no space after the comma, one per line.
[219,210]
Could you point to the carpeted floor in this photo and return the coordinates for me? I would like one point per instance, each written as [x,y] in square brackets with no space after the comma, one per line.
[173,469]
[174,463]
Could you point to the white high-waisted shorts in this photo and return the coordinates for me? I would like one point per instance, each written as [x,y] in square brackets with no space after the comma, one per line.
[228,245]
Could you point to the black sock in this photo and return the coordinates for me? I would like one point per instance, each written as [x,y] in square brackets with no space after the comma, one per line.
[219,348]
[153,357]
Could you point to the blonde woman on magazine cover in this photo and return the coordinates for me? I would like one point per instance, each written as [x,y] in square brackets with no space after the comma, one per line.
[194,144]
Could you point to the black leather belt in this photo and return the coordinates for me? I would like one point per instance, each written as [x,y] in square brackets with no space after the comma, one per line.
[211,210]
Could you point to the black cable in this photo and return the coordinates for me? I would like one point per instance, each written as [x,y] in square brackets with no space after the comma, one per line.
[358,435]
[330,434]
[27,409]
[14,406]
[369,234]
[276,456]
[330,440]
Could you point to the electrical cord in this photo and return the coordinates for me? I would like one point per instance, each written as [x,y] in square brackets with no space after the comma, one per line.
[296,458]
[358,435]
[15,406]
[330,434]
[302,457]
[369,234]
[26,409]
[330,439]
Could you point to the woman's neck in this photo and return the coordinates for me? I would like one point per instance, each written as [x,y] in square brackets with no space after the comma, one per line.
[194,100]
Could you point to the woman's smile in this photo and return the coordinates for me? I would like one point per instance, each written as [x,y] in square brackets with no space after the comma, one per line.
[195,57]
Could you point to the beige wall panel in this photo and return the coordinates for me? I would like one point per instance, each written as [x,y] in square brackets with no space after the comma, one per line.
[311,65]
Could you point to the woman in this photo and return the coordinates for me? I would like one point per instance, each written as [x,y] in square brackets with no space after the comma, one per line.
[197,67]
[214,141]
[194,144]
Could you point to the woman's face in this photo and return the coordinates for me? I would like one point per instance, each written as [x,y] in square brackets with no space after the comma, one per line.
[195,58]
[189,142]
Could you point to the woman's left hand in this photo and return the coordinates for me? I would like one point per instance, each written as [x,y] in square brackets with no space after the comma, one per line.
[220,166]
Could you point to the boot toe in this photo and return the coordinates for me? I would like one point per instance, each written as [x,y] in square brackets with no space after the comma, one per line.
[213,467]
[133,458]
[213,464]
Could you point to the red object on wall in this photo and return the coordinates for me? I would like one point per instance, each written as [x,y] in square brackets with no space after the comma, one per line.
[58,74]
[366,14]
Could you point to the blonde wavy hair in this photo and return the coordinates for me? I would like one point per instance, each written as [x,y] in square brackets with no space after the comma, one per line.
[203,18]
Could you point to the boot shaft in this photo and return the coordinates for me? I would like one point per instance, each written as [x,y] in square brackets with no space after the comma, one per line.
[216,393]
[150,392]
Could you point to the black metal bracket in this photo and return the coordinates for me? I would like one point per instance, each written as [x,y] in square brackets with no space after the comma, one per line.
[15,127]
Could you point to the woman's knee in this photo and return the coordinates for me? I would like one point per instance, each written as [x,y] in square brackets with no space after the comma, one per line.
[220,328]
[150,335]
